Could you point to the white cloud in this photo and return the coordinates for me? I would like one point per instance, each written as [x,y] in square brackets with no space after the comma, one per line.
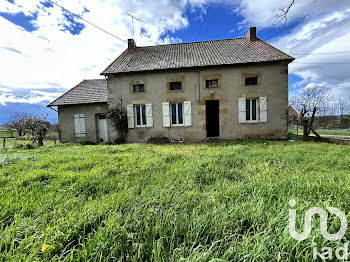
[50,58]
[34,97]
[321,48]
[263,13]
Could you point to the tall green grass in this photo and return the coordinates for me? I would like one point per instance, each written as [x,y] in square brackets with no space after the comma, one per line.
[134,202]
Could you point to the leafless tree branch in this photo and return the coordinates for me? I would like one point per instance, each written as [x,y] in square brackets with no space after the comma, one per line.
[284,12]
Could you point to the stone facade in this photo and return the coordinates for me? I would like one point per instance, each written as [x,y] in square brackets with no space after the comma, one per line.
[272,83]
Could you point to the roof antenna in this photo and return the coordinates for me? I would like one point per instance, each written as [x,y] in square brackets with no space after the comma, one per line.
[132,22]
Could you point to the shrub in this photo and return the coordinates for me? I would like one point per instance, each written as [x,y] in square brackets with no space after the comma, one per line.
[158,140]
[119,141]
[86,143]
[117,115]
[26,146]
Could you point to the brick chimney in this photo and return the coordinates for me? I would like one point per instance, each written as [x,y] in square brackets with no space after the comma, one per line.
[251,34]
[131,44]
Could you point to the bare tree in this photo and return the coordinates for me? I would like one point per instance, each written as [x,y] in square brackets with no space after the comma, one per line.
[284,12]
[17,122]
[311,101]
[342,107]
[39,127]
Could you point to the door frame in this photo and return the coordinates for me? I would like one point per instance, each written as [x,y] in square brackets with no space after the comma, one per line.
[98,128]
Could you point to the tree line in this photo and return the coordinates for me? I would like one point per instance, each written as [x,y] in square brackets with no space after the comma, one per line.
[36,125]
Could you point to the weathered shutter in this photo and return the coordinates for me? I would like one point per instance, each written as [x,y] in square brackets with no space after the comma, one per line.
[187,113]
[166,114]
[241,110]
[130,114]
[149,116]
[77,125]
[263,109]
[82,125]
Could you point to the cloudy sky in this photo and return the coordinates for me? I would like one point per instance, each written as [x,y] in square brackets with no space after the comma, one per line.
[44,51]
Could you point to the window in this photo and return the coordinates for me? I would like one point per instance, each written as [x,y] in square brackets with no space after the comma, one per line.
[212,83]
[251,81]
[79,125]
[175,85]
[140,115]
[138,88]
[177,114]
[251,109]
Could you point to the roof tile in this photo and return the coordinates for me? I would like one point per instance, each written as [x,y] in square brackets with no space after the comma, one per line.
[198,54]
[88,91]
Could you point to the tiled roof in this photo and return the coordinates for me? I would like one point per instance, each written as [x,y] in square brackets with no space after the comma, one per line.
[88,91]
[198,54]
[292,112]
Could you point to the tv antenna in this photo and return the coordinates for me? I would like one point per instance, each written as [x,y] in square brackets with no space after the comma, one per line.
[132,21]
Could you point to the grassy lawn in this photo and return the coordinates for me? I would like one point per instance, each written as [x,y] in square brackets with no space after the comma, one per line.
[167,203]
[340,132]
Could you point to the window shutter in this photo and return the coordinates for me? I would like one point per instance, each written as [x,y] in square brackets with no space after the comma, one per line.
[149,117]
[76,125]
[241,110]
[187,113]
[130,113]
[263,109]
[82,125]
[166,114]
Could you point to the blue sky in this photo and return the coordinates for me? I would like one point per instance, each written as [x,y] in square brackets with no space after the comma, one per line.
[45,51]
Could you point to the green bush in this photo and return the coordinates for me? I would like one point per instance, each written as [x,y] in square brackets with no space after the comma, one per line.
[158,140]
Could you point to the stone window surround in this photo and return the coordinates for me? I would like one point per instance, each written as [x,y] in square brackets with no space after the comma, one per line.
[258,75]
[176,79]
[211,77]
[138,82]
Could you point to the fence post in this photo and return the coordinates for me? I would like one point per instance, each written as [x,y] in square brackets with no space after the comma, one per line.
[297,130]
[4,142]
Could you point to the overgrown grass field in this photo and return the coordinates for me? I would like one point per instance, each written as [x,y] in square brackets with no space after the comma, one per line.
[223,202]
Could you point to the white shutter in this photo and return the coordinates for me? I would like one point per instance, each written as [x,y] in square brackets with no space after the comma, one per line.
[166,114]
[149,116]
[187,113]
[241,110]
[82,125]
[263,109]
[76,125]
[130,113]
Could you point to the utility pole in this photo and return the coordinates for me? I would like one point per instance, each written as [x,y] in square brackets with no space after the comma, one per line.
[132,22]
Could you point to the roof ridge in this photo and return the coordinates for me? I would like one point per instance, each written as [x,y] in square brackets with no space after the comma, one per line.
[205,41]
